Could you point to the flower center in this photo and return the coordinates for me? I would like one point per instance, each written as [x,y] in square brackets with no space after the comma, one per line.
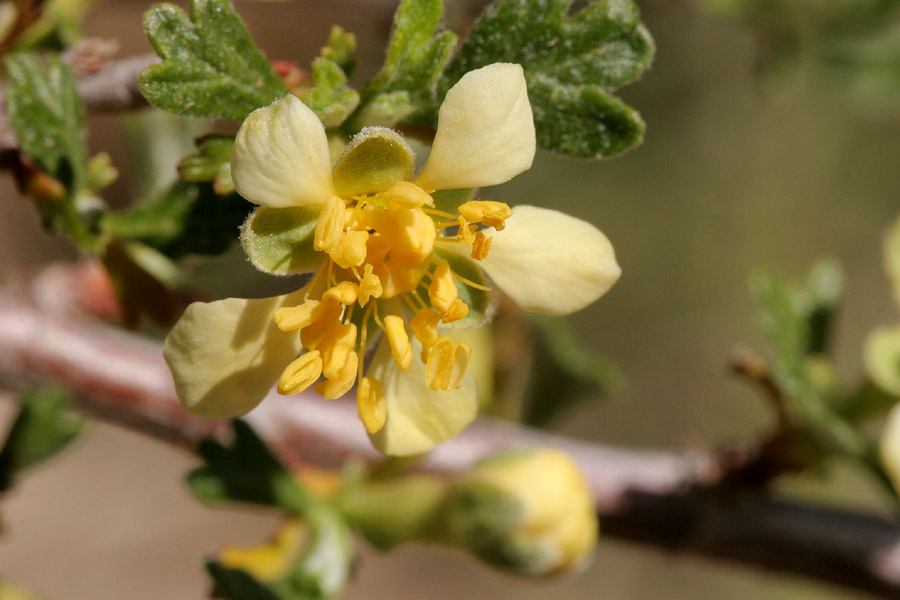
[380,261]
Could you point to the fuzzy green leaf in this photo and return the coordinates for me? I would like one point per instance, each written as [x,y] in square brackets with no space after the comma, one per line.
[211,67]
[214,153]
[340,48]
[47,116]
[571,64]
[188,218]
[417,52]
[330,97]
[245,471]
[279,241]
[43,427]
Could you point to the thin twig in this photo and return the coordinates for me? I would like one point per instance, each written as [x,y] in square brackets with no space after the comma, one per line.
[682,502]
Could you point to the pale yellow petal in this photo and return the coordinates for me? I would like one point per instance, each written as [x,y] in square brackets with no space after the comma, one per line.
[418,418]
[226,355]
[281,158]
[889,448]
[485,132]
[549,262]
[881,356]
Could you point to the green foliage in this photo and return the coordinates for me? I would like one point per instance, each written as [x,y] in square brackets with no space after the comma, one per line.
[280,240]
[330,97]
[571,64]
[43,427]
[188,218]
[340,48]
[567,372]
[211,67]
[237,584]
[797,321]
[315,569]
[47,116]
[212,163]
[416,56]
[245,471]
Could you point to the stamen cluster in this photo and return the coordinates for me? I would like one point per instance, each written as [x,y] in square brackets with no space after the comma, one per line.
[380,267]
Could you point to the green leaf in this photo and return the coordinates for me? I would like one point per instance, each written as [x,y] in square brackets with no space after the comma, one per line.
[571,63]
[417,52]
[47,116]
[383,110]
[330,97]
[215,153]
[237,584]
[340,49]
[188,218]
[210,67]
[567,372]
[246,471]
[279,241]
[43,427]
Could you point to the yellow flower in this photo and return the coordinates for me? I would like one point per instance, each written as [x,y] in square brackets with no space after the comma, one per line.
[388,258]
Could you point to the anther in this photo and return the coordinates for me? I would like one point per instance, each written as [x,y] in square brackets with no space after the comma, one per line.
[425,326]
[465,234]
[407,195]
[481,246]
[457,311]
[341,381]
[330,225]
[297,317]
[442,291]
[369,286]
[346,292]
[336,348]
[300,374]
[399,340]
[350,249]
[371,404]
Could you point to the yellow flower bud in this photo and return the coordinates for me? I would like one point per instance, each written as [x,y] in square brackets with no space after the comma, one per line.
[527,511]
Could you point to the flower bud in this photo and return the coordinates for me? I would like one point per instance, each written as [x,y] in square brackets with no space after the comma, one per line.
[529,512]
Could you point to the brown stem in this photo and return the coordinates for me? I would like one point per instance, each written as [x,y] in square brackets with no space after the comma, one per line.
[675,501]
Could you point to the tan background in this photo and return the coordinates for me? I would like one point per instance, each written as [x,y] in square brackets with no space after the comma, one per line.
[734,174]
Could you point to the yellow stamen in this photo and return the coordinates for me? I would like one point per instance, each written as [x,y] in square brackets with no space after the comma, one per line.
[371,404]
[336,347]
[439,364]
[407,195]
[471,283]
[491,214]
[300,374]
[442,291]
[457,311]
[425,326]
[481,246]
[350,250]
[346,292]
[330,225]
[342,380]
[369,286]
[465,233]
[313,334]
[296,317]
[399,340]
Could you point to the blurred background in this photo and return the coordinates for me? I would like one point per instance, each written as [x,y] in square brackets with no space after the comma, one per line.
[747,162]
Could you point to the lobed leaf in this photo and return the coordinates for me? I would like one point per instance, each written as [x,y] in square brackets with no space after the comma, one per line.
[188,218]
[245,471]
[210,67]
[416,56]
[571,63]
[47,116]
[43,427]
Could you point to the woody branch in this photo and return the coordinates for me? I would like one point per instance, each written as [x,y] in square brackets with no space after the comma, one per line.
[682,502]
